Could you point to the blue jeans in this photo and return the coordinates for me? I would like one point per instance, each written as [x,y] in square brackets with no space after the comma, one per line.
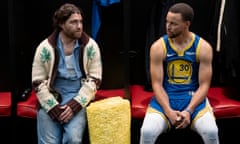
[53,132]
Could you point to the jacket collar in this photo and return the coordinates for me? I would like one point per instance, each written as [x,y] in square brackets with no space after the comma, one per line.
[52,39]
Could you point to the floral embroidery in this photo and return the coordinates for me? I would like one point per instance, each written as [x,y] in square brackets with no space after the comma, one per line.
[48,104]
[51,102]
[45,55]
[81,99]
[90,52]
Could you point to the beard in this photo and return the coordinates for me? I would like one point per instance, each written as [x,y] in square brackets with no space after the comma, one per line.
[73,34]
[76,35]
[173,35]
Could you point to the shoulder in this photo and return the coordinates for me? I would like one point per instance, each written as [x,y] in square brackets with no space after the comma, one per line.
[91,48]
[158,47]
[202,44]
[92,44]
[205,50]
[205,46]
[44,49]
[45,45]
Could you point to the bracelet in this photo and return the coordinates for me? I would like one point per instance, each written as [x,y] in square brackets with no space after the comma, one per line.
[187,110]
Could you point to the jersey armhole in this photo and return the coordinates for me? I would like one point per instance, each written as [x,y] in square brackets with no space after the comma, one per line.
[164,47]
[198,49]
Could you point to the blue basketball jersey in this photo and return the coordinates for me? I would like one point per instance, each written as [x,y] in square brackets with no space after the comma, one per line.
[180,75]
[180,67]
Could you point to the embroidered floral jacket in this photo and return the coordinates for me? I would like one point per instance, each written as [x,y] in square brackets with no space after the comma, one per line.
[44,70]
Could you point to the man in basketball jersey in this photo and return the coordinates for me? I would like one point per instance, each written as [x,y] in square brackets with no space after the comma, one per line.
[181,72]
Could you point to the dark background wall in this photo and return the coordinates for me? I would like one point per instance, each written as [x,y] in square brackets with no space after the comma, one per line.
[32,22]
[29,22]
[110,40]
[123,38]
[147,25]
[5,81]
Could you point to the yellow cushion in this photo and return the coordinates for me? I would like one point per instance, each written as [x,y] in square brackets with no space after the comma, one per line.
[109,121]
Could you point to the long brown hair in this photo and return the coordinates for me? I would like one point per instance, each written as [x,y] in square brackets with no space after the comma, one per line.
[63,13]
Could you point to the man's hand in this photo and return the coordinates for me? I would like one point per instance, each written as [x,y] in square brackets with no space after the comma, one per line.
[185,120]
[66,115]
[175,117]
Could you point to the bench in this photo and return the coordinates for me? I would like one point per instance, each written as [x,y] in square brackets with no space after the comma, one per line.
[28,108]
[223,105]
[5,104]
[225,108]
[6,123]
[27,111]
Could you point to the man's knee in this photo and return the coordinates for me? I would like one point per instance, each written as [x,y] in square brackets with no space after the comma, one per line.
[145,131]
[75,140]
[148,134]
[212,133]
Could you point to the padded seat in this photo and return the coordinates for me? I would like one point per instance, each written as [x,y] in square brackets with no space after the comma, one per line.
[139,100]
[28,108]
[5,103]
[106,93]
[223,105]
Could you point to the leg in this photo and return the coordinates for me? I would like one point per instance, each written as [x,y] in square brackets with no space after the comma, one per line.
[48,131]
[74,129]
[153,125]
[207,128]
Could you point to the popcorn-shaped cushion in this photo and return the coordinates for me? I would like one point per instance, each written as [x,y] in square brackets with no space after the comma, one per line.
[109,121]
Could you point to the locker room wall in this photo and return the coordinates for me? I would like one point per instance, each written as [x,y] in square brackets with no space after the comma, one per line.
[32,23]
[205,24]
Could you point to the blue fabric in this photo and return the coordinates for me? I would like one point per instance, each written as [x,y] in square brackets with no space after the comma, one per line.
[178,104]
[181,71]
[96,17]
[180,76]
[67,88]
[62,71]
[68,84]
[57,133]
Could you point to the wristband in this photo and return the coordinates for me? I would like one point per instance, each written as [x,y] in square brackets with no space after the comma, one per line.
[187,110]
